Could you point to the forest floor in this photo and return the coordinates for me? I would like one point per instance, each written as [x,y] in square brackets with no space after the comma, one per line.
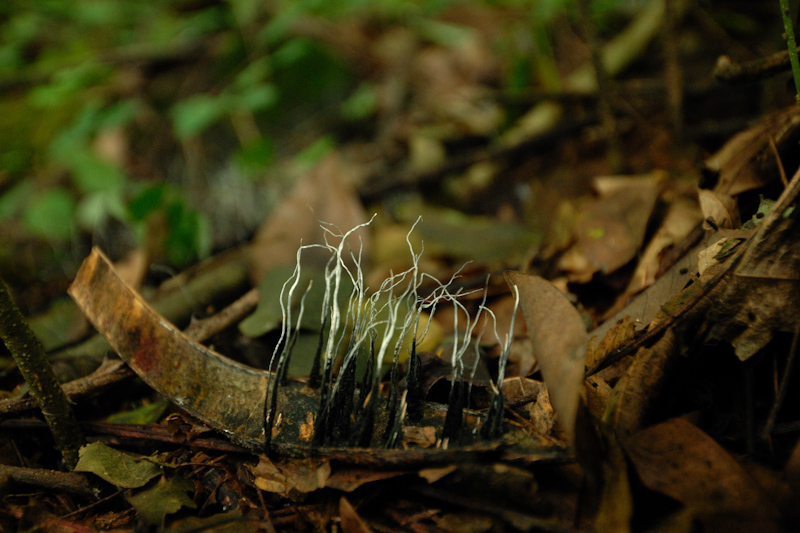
[432,271]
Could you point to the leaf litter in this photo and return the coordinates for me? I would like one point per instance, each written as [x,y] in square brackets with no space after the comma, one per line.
[535,445]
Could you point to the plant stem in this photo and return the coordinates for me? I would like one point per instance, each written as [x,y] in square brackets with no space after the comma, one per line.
[792,45]
[44,387]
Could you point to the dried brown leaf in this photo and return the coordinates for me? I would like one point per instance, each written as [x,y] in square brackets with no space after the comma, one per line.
[678,459]
[350,521]
[323,194]
[678,222]
[609,230]
[721,208]
[288,477]
[640,386]
[559,343]
[745,162]
[349,479]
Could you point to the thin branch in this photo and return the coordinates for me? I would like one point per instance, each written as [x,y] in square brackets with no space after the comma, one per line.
[35,368]
[791,44]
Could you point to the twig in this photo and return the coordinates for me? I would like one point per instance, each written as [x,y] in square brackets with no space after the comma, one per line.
[787,372]
[73,482]
[604,89]
[672,71]
[202,329]
[782,171]
[792,45]
[758,69]
[38,374]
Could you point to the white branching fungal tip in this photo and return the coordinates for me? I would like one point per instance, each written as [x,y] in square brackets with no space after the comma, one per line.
[377,315]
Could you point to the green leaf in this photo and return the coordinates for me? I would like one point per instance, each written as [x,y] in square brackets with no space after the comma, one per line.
[267,315]
[194,115]
[361,104]
[147,200]
[67,83]
[293,51]
[91,173]
[444,34]
[116,467]
[146,414]
[166,497]
[256,98]
[314,153]
[96,207]
[253,74]
[49,214]
[13,199]
[475,238]
[255,155]
[232,522]
[189,234]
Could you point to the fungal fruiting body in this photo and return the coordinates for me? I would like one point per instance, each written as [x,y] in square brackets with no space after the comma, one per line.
[356,406]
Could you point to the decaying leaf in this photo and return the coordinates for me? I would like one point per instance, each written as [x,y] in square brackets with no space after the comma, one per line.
[720,208]
[221,392]
[349,479]
[640,386]
[534,397]
[745,162]
[323,194]
[679,460]
[290,477]
[350,521]
[465,523]
[118,468]
[763,295]
[166,497]
[678,222]
[609,230]
[230,522]
[432,475]
[559,343]
[616,501]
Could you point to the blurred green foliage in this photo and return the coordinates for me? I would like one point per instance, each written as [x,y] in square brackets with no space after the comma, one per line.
[73,72]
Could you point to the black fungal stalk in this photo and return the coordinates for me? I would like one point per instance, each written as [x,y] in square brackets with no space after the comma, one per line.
[357,339]
[414,383]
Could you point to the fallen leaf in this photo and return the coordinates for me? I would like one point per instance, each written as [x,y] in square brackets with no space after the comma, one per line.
[118,468]
[146,414]
[432,475]
[678,459]
[609,230]
[290,477]
[616,501]
[230,522]
[677,224]
[763,295]
[559,343]
[349,479]
[451,233]
[465,523]
[721,208]
[323,194]
[166,497]
[745,161]
[616,336]
[350,521]
[640,386]
[424,437]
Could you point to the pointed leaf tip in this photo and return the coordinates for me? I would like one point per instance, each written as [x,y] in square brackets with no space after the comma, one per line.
[559,340]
